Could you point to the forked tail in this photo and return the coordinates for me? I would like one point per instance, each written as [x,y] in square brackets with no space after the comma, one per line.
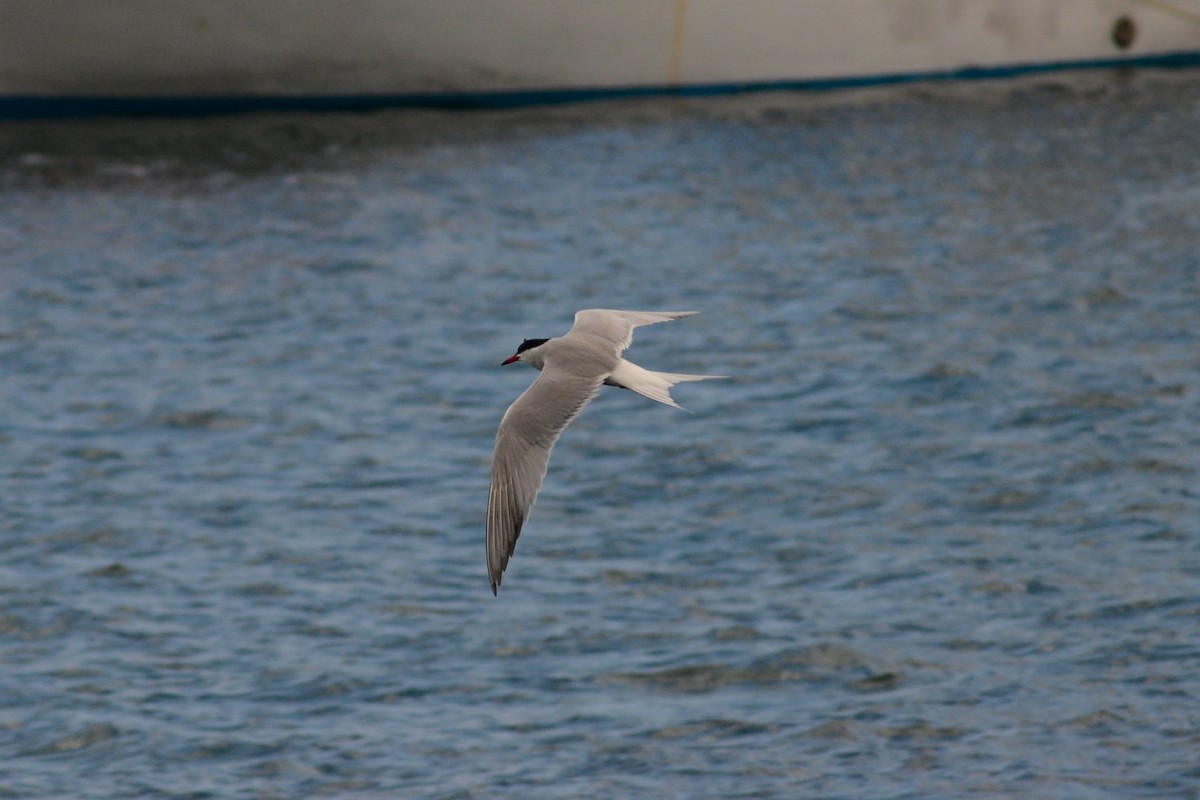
[647,383]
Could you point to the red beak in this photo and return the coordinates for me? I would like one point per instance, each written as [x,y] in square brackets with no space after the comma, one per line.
[510,360]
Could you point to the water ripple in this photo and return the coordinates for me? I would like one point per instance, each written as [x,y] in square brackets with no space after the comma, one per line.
[936,537]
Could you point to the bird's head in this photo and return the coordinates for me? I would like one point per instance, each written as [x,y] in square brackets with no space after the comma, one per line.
[526,345]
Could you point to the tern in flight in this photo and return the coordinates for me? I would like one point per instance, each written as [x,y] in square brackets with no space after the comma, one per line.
[573,368]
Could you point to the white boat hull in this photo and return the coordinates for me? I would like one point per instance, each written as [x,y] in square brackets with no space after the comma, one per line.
[423,50]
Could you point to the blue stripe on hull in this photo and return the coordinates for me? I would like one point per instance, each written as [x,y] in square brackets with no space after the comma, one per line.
[50,107]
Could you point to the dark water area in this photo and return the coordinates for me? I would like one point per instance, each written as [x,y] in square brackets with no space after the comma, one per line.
[937,537]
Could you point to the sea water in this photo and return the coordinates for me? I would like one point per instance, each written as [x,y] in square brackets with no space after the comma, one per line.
[937,536]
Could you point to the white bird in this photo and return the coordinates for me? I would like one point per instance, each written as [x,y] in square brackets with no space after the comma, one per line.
[573,367]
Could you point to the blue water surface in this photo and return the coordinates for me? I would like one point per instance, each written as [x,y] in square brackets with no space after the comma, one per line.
[938,536]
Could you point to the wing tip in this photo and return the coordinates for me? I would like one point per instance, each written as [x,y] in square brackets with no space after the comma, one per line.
[496,575]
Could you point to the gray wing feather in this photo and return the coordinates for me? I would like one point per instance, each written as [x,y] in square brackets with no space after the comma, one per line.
[617,326]
[526,436]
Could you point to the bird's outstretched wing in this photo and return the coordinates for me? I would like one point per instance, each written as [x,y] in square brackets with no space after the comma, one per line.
[527,434]
[617,326]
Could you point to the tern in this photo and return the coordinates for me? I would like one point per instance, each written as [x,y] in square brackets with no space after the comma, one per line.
[574,366]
